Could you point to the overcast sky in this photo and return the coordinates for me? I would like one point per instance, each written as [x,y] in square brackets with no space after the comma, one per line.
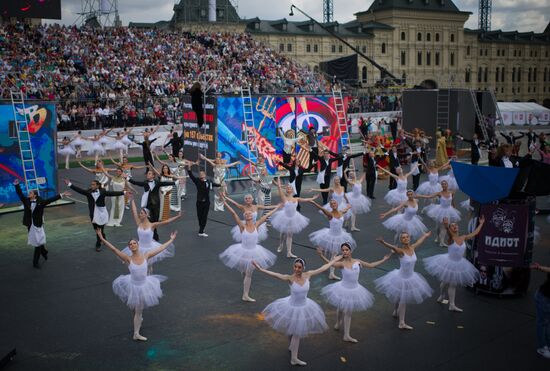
[508,15]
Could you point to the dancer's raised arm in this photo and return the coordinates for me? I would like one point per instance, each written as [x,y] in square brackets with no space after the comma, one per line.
[387,172]
[234,203]
[233,213]
[375,264]
[264,218]
[395,209]
[125,258]
[393,248]
[323,210]
[282,277]
[476,231]
[167,221]
[203,157]
[134,211]
[323,268]
[162,247]
[419,242]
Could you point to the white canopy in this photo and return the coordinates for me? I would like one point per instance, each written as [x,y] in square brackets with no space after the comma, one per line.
[524,113]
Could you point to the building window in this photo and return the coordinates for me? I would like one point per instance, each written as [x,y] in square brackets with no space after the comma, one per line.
[419,61]
[528,89]
[428,37]
[467,76]
[479,74]
[289,47]
[308,48]
[535,74]
[486,52]
[281,47]
[437,58]
[364,74]
[333,48]
[436,37]
[497,75]
[519,55]
[452,59]
[544,76]
[404,60]
[315,48]
[519,74]
[519,89]
[515,53]
[529,75]
[383,48]
[468,50]
[498,52]
[535,54]
[514,74]
[419,36]
[486,74]
[481,52]
[531,54]
[428,59]
[340,49]
[364,49]
[403,37]
[502,74]
[452,37]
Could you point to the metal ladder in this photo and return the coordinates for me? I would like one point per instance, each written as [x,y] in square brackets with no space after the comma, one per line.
[342,122]
[248,129]
[480,118]
[25,147]
[498,118]
[443,98]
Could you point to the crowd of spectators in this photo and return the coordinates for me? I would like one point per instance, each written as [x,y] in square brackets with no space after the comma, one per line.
[101,74]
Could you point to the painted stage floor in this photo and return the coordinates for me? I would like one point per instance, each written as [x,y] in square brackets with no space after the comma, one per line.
[66,317]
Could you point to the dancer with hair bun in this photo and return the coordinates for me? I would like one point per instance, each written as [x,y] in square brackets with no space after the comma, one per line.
[444,209]
[240,255]
[145,232]
[337,193]
[254,209]
[407,221]
[359,203]
[398,195]
[349,296]
[404,286]
[137,289]
[432,185]
[67,150]
[330,240]
[288,221]
[296,315]
[452,269]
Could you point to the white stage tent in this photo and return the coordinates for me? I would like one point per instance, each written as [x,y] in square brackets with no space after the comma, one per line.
[527,113]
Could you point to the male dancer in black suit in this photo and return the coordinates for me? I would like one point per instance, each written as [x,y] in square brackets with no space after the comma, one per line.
[33,219]
[296,176]
[343,164]
[394,164]
[325,172]
[204,186]
[96,205]
[146,147]
[475,149]
[151,196]
[369,166]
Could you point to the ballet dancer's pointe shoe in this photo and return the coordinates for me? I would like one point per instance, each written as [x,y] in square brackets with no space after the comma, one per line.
[454,308]
[290,255]
[248,298]
[297,362]
[349,339]
[394,313]
[337,326]
[353,229]
[280,248]
[442,300]
[404,326]
[138,337]
[334,277]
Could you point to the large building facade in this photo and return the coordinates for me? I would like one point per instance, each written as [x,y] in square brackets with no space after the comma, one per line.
[422,40]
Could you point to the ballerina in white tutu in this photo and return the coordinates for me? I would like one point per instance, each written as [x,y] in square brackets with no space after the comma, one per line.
[398,195]
[67,150]
[432,185]
[97,148]
[452,269]
[296,315]
[404,286]
[120,145]
[288,221]
[145,231]
[77,143]
[137,289]
[349,296]
[125,139]
[330,240]
[444,209]
[252,208]
[337,193]
[451,180]
[359,203]
[240,255]
[406,221]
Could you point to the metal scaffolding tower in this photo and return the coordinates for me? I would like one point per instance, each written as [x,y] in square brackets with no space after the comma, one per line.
[484,21]
[328,11]
[99,13]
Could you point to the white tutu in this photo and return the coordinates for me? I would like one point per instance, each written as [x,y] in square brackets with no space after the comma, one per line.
[77,142]
[96,148]
[147,243]
[330,239]
[66,150]
[296,314]
[404,285]
[451,182]
[262,233]
[240,255]
[120,145]
[359,203]
[438,213]
[396,197]
[103,140]
[399,223]
[455,272]
[137,289]
[348,299]
[427,188]
[288,220]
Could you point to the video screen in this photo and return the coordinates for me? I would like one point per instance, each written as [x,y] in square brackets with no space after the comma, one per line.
[50,9]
